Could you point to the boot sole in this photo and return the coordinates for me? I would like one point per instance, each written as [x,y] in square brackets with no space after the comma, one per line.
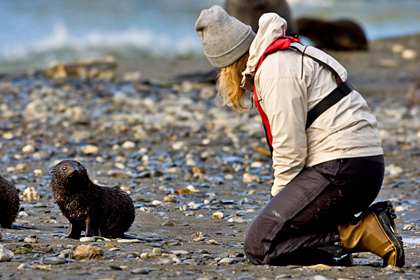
[384,213]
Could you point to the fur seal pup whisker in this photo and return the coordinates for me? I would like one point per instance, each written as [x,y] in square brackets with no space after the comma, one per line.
[97,210]
[9,203]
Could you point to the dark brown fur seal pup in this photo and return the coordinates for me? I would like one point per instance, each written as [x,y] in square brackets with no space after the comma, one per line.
[9,203]
[250,11]
[339,35]
[99,211]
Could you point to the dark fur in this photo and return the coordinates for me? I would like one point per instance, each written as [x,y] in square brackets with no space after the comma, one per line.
[340,35]
[99,211]
[250,11]
[9,203]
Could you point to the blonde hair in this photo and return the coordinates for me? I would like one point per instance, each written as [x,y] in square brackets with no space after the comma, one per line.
[230,92]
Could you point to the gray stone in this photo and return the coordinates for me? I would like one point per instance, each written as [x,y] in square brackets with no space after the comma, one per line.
[5,254]
[142,270]
[52,260]
[227,261]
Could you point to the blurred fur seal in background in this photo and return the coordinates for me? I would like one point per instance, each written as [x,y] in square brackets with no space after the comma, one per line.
[339,35]
[97,210]
[250,11]
[9,203]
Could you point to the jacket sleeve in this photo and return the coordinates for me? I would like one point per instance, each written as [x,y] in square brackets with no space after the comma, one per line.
[284,100]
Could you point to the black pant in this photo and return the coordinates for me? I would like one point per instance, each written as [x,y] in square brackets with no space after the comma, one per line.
[301,221]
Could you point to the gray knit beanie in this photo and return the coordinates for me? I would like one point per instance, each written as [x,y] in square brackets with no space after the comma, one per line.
[225,39]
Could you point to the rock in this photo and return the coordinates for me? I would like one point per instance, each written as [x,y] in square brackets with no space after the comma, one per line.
[409,54]
[188,190]
[5,254]
[30,240]
[319,277]
[168,223]
[28,149]
[90,149]
[169,198]
[104,68]
[235,219]
[46,267]
[132,76]
[397,48]
[67,254]
[128,145]
[180,252]
[319,267]
[142,270]
[250,178]
[283,276]
[121,240]
[88,252]
[145,255]
[227,261]
[52,260]
[218,215]
[157,203]
[408,227]
[30,194]
[87,239]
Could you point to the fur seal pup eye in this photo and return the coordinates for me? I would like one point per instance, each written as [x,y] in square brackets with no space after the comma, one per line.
[9,203]
[96,210]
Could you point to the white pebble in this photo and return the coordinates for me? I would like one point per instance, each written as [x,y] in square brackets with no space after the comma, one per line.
[30,194]
[250,178]
[397,48]
[157,203]
[401,208]
[409,54]
[5,254]
[178,145]
[218,215]
[87,239]
[128,240]
[90,149]
[28,149]
[30,240]
[128,145]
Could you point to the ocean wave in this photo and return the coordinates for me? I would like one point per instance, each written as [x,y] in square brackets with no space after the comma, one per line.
[140,40]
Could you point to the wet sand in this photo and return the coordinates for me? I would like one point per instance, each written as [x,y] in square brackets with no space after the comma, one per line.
[198,174]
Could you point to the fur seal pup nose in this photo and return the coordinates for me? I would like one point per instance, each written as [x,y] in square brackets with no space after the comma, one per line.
[9,203]
[97,210]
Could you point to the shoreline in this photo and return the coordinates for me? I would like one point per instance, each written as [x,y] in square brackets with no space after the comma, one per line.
[378,72]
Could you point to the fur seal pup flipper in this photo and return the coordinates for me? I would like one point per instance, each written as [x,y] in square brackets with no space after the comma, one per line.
[75,231]
[92,228]
[97,210]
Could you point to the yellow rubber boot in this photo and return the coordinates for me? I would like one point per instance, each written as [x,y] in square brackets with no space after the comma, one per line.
[375,232]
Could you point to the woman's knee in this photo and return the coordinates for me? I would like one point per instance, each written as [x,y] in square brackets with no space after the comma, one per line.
[252,249]
[256,245]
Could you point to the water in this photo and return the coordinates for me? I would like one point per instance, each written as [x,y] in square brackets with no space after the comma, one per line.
[35,33]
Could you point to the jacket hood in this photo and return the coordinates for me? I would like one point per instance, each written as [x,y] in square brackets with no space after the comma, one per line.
[270,27]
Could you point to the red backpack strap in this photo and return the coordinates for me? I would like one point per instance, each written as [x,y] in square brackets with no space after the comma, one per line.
[280,44]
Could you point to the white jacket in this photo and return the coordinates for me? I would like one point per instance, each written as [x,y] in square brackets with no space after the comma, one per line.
[289,84]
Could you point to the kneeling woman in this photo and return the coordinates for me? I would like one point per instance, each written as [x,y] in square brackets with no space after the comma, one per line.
[326,150]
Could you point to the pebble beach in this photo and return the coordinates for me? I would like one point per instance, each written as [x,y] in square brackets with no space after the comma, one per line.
[198,173]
